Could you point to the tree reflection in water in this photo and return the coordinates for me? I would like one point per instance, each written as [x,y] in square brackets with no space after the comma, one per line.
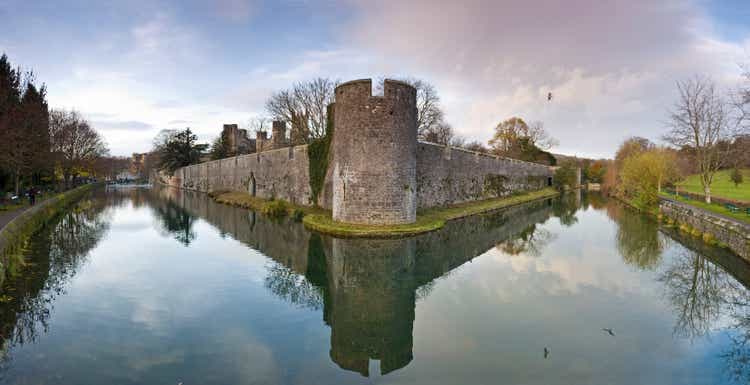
[639,241]
[367,290]
[175,221]
[531,241]
[708,286]
[565,207]
[697,290]
[56,254]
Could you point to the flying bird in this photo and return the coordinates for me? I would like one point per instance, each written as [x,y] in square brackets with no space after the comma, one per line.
[546,352]
[609,331]
[549,96]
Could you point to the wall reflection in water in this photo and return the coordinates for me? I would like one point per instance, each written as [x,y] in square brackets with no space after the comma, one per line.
[367,290]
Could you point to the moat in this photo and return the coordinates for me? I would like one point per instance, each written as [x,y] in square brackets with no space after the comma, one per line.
[163,286]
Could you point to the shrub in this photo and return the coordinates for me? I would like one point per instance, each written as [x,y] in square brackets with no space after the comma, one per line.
[565,176]
[297,215]
[276,209]
[736,176]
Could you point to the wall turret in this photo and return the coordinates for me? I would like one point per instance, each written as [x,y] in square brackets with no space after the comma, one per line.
[278,134]
[374,153]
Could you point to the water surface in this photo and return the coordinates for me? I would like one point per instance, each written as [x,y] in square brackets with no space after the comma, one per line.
[141,286]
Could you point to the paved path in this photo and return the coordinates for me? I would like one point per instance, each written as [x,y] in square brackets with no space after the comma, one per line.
[7,216]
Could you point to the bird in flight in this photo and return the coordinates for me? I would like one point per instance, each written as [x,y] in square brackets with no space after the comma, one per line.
[609,331]
[549,96]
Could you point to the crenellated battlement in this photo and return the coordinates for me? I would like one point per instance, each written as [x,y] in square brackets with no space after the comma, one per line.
[361,89]
[374,153]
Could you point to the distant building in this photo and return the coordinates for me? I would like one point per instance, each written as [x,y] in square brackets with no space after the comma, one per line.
[237,141]
[137,166]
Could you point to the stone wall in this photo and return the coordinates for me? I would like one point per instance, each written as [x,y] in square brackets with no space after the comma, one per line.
[374,153]
[282,173]
[447,175]
[732,233]
[443,176]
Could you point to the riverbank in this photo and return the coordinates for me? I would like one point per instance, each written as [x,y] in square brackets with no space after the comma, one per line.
[427,220]
[711,226]
[320,220]
[689,217]
[15,234]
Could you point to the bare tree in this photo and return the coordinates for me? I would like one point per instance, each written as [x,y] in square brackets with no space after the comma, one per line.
[701,119]
[743,99]
[429,113]
[441,133]
[74,142]
[258,123]
[539,137]
[304,106]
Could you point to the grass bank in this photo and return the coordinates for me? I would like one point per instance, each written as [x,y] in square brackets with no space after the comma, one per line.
[427,220]
[15,235]
[722,186]
[275,207]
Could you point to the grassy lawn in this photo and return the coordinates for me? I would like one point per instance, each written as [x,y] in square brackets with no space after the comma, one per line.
[742,215]
[721,187]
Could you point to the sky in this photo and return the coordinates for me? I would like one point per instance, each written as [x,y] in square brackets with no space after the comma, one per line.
[136,67]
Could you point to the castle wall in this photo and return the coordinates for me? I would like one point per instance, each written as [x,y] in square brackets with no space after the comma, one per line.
[282,173]
[374,153]
[378,173]
[443,176]
[447,175]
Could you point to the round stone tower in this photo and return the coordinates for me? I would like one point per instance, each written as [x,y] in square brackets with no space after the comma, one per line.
[375,154]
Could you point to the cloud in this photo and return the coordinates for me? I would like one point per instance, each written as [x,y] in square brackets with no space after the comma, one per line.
[179,121]
[235,10]
[130,125]
[611,66]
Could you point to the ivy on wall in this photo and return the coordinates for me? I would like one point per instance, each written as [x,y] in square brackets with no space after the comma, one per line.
[495,184]
[318,152]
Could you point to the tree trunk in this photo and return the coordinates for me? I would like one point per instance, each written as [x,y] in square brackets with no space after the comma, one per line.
[707,193]
[17,182]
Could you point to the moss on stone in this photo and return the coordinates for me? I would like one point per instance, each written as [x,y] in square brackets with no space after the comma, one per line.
[495,184]
[319,153]
[247,201]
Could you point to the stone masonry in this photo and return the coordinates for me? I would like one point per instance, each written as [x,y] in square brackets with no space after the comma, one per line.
[732,233]
[374,154]
[378,172]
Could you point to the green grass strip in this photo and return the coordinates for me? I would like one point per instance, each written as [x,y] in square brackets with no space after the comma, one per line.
[427,220]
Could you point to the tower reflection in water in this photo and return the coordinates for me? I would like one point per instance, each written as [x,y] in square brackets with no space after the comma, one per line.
[366,288]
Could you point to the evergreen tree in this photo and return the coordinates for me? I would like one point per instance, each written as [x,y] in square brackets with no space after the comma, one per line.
[34,123]
[179,149]
[13,150]
[220,148]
